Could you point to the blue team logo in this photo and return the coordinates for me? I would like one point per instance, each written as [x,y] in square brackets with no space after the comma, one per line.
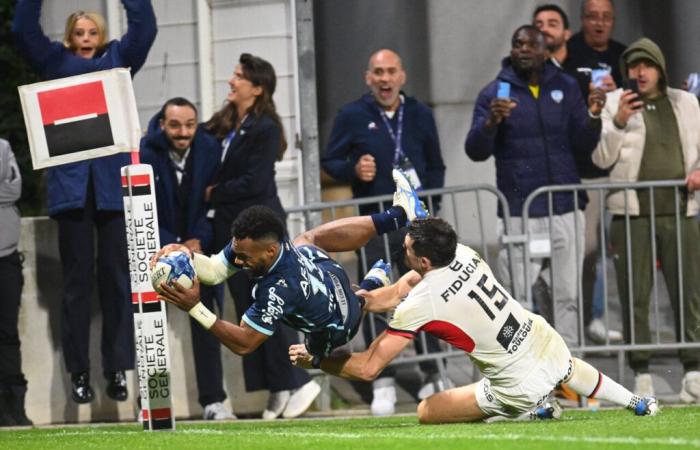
[557,95]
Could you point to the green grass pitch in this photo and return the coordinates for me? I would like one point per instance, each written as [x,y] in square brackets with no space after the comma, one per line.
[673,428]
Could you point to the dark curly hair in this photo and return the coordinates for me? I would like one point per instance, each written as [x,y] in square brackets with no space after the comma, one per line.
[258,222]
[435,239]
[260,73]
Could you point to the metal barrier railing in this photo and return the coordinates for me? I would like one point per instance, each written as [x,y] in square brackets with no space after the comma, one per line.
[470,214]
[605,189]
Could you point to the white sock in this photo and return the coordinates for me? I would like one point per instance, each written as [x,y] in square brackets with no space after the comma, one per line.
[588,381]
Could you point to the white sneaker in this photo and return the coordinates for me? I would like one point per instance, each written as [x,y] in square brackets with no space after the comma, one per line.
[217,411]
[276,404]
[406,198]
[383,397]
[690,387]
[644,385]
[434,385]
[598,333]
[301,399]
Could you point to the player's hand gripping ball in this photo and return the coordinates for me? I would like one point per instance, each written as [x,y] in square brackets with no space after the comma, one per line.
[175,266]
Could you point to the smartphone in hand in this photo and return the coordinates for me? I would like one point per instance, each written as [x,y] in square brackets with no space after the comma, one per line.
[503,90]
[633,85]
[693,83]
[597,76]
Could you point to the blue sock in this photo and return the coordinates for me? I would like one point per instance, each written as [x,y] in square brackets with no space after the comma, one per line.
[390,220]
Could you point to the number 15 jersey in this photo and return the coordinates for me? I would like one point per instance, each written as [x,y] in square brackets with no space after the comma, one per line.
[464,305]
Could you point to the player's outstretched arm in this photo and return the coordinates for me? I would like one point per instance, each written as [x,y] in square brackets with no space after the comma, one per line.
[339,235]
[365,366]
[387,298]
[241,340]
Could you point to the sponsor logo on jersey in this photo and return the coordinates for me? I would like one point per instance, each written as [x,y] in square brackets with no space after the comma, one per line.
[507,331]
[519,337]
[274,308]
[465,271]
[282,283]
[340,297]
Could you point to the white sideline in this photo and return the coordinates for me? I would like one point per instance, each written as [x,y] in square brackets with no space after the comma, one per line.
[695,443]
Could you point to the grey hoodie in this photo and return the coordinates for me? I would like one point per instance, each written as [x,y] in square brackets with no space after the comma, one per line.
[10,191]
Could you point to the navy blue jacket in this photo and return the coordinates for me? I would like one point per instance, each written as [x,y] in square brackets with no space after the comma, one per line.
[67,184]
[533,147]
[205,154]
[360,130]
[247,174]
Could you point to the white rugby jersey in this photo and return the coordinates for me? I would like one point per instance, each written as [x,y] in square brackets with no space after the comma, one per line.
[464,305]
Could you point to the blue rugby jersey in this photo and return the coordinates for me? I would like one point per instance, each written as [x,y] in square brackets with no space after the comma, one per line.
[305,289]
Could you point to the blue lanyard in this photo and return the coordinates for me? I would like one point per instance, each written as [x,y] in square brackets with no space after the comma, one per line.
[226,142]
[396,137]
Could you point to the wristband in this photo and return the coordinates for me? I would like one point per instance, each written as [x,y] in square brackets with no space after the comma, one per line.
[316,362]
[201,314]
[593,116]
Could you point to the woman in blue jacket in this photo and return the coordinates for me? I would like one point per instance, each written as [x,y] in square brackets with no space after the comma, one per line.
[85,197]
[253,139]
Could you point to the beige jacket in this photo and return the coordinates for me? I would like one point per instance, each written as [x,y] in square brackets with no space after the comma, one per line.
[622,149]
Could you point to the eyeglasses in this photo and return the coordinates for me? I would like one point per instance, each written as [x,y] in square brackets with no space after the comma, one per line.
[604,18]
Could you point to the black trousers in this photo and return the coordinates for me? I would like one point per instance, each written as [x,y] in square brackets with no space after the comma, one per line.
[207,350]
[11,281]
[268,367]
[374,251]
[76,238]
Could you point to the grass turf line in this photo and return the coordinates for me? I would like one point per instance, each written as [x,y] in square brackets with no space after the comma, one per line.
[673,428]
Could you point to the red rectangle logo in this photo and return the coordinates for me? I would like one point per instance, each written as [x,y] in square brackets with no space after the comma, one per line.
[72,102]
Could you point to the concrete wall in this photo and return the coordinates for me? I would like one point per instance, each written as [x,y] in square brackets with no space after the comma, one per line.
[48,397]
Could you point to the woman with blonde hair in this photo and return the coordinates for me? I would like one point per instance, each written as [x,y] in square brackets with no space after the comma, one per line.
[85,197]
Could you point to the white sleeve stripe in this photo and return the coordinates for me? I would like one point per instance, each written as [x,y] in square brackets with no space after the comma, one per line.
[257,327]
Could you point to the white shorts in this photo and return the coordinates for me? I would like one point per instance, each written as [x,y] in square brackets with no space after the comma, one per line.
[530,392]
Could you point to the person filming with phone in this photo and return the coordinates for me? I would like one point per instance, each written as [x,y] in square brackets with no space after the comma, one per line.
[650,133]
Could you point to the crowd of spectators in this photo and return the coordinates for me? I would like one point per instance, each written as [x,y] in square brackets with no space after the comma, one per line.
[560,111]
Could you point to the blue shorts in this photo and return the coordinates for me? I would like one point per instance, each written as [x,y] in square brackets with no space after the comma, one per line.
[321,343]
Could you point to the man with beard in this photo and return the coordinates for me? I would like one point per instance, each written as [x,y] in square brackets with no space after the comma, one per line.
[184,162]
[531,135]
[553,22]
[383,130]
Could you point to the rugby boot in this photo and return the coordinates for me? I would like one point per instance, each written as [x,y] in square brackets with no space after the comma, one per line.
[378,276]
[406,197]
[646,407]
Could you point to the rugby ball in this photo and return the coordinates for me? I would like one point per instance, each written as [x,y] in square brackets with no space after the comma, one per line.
[175,266]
